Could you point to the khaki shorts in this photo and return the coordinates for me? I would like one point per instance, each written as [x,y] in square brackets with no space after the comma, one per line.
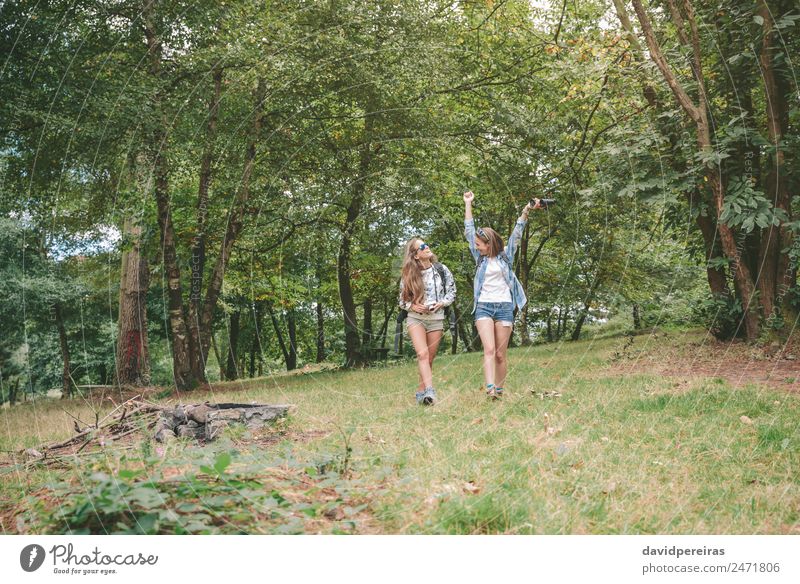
[430,324]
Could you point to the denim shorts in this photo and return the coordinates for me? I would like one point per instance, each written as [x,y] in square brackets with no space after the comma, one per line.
[502,312]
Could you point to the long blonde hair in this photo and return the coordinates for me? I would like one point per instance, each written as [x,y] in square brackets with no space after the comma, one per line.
[413,287]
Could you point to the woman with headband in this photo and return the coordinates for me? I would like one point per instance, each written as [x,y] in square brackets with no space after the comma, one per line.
[497,292]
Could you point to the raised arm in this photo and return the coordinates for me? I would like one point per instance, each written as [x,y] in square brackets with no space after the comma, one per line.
[516,235]
[469,225]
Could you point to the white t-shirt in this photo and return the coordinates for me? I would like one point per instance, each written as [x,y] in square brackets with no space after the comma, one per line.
[495,288]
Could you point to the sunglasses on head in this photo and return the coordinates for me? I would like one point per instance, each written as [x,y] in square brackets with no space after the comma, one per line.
[482,234]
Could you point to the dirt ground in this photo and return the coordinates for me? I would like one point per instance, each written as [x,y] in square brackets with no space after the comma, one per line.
[773,365]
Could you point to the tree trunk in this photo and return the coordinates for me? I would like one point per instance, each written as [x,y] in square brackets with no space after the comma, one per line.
[253,344]
[717,281]
[698,113]
[456,316]
[353,354]
[198,251]
[235,222]
[637,320]
[462,330]
[351,337]
[550,326]
[523,273]
[231,370]
[387,317]
[133,361]
[219,359]
[279,335]
[320,332]
[66,376]
[777,273]
[367,329]
[181,365]
[563,319]
[587,302]
[291,323]
[13,390]
[475,342]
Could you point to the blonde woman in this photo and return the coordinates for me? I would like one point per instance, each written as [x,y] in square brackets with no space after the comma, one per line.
[497,292]
[426,288]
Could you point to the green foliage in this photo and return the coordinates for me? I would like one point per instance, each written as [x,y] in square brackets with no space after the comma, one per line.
[235,493]
[722,316]
[747,208]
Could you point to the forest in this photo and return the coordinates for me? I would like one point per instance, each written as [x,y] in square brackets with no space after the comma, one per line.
[194,191]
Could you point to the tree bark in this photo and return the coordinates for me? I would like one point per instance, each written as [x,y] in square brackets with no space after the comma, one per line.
[717,281]
[66,376]
[387,316]
[462,329]
[13,390]
[231,369]
[637,319]
[291,324]
[777,273]
[235,222]
[353,354]
[220,364]
[278,334]
[475,342]
[320,332]
[133,361]
[367,328]
[713,175]
[198,251]
[523,273]
[587,302]
[181,365]
[343,273]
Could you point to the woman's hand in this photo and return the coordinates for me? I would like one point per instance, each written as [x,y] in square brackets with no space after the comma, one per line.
[528,207]
[421,308]
[437,307]
[468,197]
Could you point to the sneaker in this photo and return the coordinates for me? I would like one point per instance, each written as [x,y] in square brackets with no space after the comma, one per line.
[427,397]
[498,392]
[420,395]
[491,392]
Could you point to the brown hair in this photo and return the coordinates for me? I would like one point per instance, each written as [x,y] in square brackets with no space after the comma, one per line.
[413,288]
[493,239]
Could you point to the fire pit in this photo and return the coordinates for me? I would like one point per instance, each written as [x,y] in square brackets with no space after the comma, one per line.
[206,421]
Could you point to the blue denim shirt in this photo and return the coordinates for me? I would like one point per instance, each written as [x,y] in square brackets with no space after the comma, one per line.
[506,259]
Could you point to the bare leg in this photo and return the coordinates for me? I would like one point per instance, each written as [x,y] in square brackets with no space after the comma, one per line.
[433,339]
[420,342]
[486,331]
[502,334]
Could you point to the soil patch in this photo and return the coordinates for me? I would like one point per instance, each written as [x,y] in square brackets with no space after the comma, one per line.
[738,363]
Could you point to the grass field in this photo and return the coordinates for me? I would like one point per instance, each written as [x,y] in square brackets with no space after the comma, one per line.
[574,447]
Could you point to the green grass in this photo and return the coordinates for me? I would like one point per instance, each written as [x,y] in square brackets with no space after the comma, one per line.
[623,454]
